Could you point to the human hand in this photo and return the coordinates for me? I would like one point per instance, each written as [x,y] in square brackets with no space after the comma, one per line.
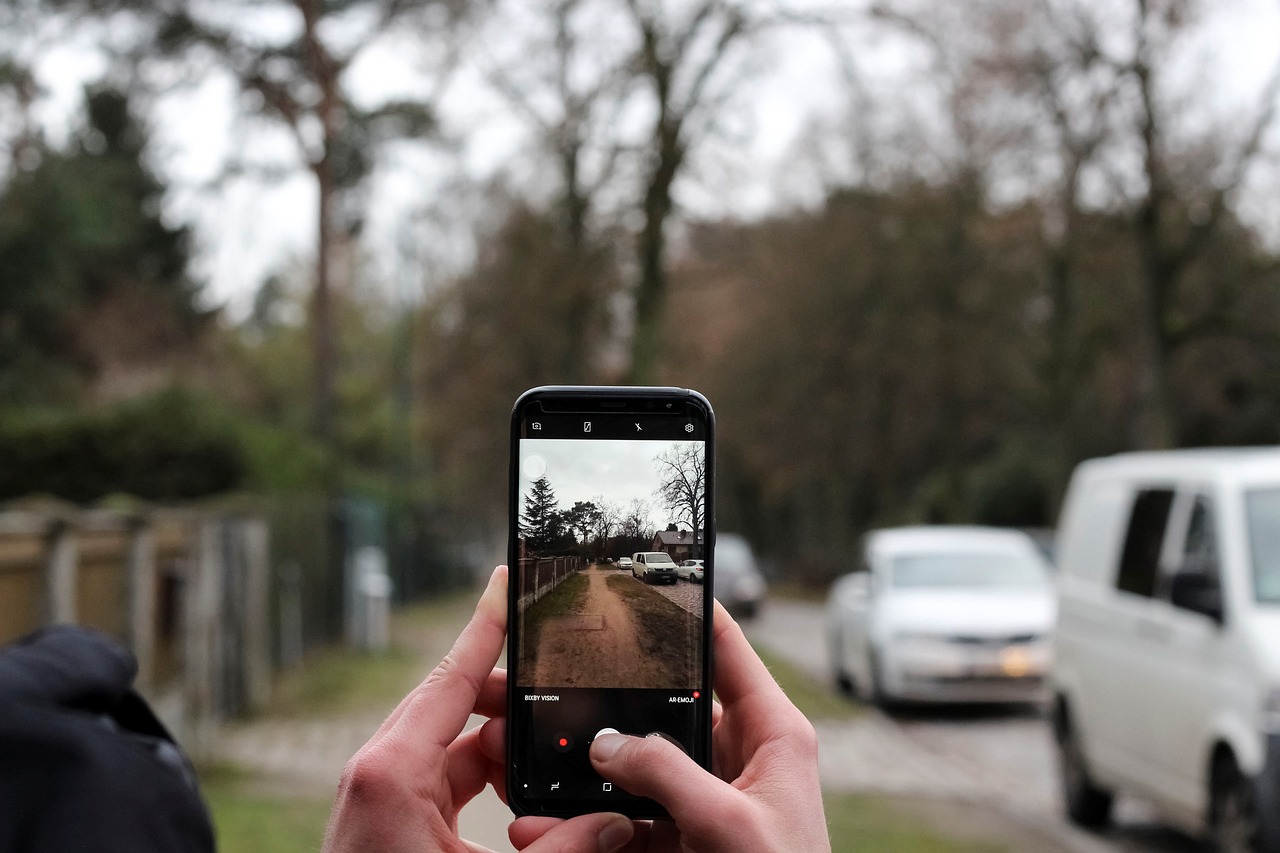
[403,790]
[765,753]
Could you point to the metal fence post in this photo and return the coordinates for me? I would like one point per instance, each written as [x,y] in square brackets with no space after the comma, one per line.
[142,599]
[60,574]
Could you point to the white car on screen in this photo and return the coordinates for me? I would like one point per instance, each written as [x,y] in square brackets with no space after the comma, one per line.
[944,614]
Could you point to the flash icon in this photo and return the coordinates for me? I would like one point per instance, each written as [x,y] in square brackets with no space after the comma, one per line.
[586,426]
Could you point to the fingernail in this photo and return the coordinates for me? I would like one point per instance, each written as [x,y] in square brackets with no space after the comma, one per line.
[605,747]
[616,834]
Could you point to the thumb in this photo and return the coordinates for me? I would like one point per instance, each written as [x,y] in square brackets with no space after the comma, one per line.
[593,833]
[656,768]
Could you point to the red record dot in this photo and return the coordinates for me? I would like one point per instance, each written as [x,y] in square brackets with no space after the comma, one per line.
[564,741]
[696,694]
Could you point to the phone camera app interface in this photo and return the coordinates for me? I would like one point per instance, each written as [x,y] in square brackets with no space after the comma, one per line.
[611,519]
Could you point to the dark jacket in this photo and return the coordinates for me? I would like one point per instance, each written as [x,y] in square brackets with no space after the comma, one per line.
[84,763]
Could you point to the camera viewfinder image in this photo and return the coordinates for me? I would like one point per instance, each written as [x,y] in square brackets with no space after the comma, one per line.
[611,572]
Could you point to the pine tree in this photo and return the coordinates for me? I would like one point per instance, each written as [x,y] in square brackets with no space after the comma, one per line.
[541,523]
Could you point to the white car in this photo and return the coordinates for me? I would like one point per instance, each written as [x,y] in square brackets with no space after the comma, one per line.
[1166,679]
[690,570]
[624,563]
[945,614]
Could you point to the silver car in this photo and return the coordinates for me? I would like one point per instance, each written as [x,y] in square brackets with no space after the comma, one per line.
[944,614]
[738,584]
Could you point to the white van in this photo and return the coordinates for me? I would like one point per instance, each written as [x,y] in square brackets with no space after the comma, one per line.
[1166,679]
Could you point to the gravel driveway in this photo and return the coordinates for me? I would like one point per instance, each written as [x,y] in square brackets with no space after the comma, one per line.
[688,596]
[1000,760]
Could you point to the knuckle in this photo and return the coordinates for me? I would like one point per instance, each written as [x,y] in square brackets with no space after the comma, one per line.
[367,778]
[804,738]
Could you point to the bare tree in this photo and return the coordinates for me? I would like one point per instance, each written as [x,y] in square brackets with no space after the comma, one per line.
[635,523]
[683,491]
[560,78]
[299,81]
[683,61]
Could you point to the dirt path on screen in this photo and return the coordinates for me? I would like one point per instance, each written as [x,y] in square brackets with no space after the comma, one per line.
[598,647]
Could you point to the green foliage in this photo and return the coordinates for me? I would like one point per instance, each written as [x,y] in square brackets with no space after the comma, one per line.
[163,448]
[172,446]
[79,231]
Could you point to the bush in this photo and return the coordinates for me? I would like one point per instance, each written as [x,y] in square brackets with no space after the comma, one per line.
[170,446]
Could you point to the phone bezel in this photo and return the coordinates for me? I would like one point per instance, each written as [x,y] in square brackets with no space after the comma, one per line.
[604,400]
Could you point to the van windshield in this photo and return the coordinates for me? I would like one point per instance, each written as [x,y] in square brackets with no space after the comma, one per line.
[967,570]
[1262,508]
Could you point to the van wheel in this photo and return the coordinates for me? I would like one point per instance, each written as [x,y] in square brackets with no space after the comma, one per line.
[1087,805]
[1235,810]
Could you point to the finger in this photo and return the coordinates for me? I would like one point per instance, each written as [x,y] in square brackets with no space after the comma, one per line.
[717,712]
[468,768]
[739,672]
[593,833]
[437,709]
[492,701]
[656,768]
[493,740]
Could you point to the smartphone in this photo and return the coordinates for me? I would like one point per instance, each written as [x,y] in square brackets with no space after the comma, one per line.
[611,543]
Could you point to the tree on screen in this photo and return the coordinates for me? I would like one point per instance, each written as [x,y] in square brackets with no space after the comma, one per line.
[683,491]
[541,523]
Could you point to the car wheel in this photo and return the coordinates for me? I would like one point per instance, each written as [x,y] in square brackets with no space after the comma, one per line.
[840,675]
[1086,804]
[878,696]
[1234,809]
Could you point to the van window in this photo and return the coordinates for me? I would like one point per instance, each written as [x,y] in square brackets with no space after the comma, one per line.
[1140,559]
[1262,511]
[1201,549]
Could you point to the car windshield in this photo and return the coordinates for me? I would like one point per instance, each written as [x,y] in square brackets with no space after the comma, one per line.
[968,570]
[658,560]
[1262,509]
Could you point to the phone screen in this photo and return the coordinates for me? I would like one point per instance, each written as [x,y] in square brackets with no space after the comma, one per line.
[610,588]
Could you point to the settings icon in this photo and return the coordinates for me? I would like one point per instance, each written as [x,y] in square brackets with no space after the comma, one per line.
[688,427]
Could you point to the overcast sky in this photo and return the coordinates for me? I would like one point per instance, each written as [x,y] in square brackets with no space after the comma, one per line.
[248,228]
[582,470]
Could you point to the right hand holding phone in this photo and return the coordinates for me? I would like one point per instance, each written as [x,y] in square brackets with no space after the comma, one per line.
[767,796]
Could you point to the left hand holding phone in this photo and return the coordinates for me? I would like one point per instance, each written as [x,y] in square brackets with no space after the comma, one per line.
[404,788]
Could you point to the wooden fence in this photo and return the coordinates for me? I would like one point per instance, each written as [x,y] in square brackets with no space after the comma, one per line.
[540,575]
[187,592]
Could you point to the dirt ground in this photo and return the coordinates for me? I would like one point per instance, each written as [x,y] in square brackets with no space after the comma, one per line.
[602,645]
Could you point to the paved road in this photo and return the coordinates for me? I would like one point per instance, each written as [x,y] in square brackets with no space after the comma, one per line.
[999,760]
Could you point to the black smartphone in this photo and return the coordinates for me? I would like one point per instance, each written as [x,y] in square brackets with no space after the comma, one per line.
[611,538]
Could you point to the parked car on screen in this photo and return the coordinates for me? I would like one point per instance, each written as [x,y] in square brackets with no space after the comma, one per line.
[943,614]
[737,582]
[654,567]
[690,570]
[625,563]
[1166,680]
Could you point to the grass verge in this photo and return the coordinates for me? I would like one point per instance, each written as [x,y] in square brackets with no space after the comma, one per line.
[858,822]
[816,700]
[247,820]
[566,599]
[658,621]
[334,681]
